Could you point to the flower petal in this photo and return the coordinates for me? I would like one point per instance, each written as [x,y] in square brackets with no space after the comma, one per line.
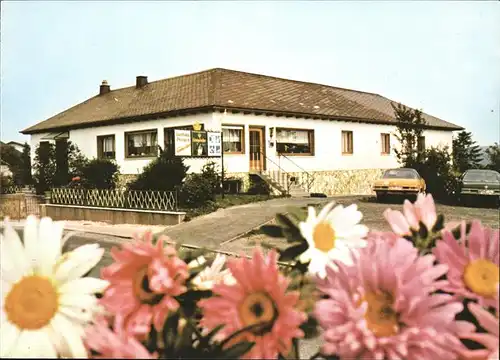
[9,336]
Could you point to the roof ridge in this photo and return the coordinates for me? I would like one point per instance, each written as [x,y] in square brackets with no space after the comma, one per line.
[296,81]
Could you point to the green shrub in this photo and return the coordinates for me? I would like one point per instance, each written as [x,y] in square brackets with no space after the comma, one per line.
[212,173]
[258,186]
[199,190]
[437,170]
[165,173]
[5,182]
[100,174]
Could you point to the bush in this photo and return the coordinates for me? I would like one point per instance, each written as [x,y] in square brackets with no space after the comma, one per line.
[212,173]
[258,186]
[199,190]
[436,169]
[165,173]
[5,182]
[196,191]
[100,174]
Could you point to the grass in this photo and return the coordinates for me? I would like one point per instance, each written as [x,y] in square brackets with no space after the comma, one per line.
[229,200]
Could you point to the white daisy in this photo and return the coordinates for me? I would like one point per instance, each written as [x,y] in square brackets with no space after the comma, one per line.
[206,279]
[331,236]
[45,301]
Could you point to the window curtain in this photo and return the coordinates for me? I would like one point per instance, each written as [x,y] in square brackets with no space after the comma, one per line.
[232,135]
[292,137]
[108,144]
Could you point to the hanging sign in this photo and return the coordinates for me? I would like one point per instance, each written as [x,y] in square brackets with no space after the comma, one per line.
[214,144]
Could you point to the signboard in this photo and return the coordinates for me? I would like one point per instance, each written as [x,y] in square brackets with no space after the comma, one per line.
[199,143]
[182,142]
[214,144]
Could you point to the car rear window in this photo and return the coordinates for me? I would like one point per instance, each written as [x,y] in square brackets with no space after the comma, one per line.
[481,176]
[400,174]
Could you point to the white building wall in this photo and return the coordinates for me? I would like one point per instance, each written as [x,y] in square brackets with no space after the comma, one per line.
[328,141]
[367,148]
[86,139]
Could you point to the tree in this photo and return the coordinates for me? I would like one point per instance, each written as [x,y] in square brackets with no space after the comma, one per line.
[466,152]
[409,129]
[13,159]
[26,176]
[44,166]
[46,162]
[493,154]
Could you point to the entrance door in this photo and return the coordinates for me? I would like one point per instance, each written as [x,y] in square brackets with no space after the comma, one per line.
[256,149]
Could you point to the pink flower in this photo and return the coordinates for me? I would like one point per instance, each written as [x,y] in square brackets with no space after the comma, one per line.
[490,340]
[423,210]
[382,308]
[144,280]
[259,296]
[115,344]
[388,236]
[473,261]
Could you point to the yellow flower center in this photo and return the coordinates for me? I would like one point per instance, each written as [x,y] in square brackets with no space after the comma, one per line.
[324,236]
[258,308]
[481,276]
[32,302]
[380,317]
[140,285]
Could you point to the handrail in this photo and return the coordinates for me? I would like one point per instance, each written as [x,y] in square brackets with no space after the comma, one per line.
[310,177]
[280,169]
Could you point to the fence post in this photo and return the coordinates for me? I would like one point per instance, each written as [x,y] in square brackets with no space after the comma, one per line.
[48,195]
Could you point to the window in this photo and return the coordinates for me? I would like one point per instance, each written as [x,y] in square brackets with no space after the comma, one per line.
[141,144]
[106,147]
[169,137]
[233,139]
[421,144]
[385,140]
[347,142]
[295,142]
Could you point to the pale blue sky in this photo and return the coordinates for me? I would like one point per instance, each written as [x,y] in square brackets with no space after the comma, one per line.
[443,57]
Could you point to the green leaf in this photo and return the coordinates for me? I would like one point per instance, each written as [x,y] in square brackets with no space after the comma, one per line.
[293,251]
[310,327]
[169,332]
[272,231]
[422,232]
[238,350]
[439,225]
[284,221]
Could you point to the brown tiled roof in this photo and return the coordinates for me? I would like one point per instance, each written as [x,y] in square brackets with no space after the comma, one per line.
[234,90]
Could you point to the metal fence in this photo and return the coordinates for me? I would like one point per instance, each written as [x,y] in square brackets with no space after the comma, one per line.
[10,189]
[123,199]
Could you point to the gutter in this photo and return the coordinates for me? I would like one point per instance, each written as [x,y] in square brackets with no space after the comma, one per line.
[203,109]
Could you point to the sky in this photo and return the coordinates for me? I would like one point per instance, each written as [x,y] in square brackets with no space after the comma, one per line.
[441,57]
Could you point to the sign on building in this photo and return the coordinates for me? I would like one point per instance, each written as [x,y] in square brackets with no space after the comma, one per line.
[199,143]
[214,144]
[182,142]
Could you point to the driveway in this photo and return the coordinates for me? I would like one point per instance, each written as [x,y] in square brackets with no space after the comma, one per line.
[224,225]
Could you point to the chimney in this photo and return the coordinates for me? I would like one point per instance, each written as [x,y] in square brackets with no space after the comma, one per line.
[140,81]
[104,88]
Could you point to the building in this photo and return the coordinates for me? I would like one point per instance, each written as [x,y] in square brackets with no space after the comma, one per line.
[332,140]
[16,145]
